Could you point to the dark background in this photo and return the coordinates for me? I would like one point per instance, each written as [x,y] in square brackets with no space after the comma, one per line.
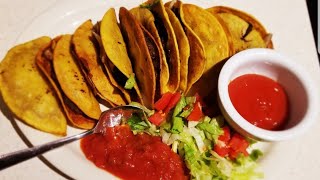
[313,14]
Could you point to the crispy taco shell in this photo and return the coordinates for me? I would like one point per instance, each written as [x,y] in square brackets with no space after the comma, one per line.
[146,18]
[197,60]
[27,92]
[140,55]
[215,43]
[117,61]
[109,68]
[246,31]
[86,53]
[71,80]
[184,49]
[210,32]
[154,52]
[45,62]
[168,43]
[114,44]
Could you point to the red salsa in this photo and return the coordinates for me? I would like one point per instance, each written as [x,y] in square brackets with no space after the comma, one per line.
[130,156]
[260,100]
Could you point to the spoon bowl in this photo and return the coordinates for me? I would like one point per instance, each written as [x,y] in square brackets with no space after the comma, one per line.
[109,118]
[116,116]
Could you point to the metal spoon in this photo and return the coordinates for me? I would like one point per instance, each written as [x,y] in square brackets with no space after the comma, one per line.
[109,118]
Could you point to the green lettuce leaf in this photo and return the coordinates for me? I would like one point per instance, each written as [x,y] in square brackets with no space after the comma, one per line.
[136,123]
[130,82]
[177,122]
[211,128]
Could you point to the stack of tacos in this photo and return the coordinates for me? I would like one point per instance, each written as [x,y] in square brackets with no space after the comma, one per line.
[59,65]
[153,49]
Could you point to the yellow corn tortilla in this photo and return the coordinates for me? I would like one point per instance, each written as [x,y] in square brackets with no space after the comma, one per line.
[27,92]
[146,18]
[45,63]
[215,43]
[86,52]
[246,31]
[169,43]
[210,32]
[184,49]
[154,53]
[117,59]
[108,66]
[114,44]
[140,56]
[71,80]
[155,49]
[197,59]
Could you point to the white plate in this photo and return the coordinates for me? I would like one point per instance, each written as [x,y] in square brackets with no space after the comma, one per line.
[287,20]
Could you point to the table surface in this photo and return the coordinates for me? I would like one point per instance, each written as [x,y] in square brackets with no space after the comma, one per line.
[16,14]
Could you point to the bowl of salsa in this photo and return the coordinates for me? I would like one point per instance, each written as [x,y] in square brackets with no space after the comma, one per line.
[265,95]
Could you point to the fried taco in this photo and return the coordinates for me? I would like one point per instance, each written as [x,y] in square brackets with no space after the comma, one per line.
[109,68]
[166,40]
[45,61]
[246,31]
[27,92]
[71,79]
[197,60]
[215,42]
[184,49]
[154,52]
[136,38]
[87,53]
[147,20]
[155,49]
[116,59]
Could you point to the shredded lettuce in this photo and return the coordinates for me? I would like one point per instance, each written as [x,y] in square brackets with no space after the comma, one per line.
[146,110]
[211,128]
[202,166]
[189,104]
[136,124]
[245,168]
[177,121]
[209,165]
[186,112]
[130,82]
[256,154]
[194,144]
[194,141]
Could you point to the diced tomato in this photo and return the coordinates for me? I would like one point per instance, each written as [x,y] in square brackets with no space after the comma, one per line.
[174,100]
[196,114]
[157,118]
[233,154]
[225,137]
[199,99]
[222,151]
[163,102]
[233,145]
[238,144]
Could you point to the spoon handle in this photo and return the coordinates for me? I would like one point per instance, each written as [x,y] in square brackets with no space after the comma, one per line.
[13,158]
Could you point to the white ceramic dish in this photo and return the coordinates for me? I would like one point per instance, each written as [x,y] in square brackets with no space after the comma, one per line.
[301,92]
[289,23]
